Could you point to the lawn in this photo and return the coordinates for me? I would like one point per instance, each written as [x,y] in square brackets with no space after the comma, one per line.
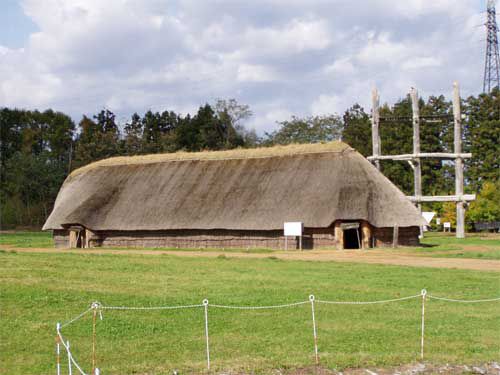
[475,246]
[445,245]
[38,290]
[27,239]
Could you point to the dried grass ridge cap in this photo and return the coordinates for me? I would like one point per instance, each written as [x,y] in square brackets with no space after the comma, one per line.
[239,153]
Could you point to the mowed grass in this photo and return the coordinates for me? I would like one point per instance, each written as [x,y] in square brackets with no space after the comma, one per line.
[442,245]
[44,240]
[38,290]
[27,239]
[445,245]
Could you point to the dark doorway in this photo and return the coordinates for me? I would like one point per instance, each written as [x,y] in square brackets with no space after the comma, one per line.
[80,242]
[352,239]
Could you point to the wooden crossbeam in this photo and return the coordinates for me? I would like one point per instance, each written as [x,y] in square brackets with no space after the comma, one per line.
[443,198]
[437,155]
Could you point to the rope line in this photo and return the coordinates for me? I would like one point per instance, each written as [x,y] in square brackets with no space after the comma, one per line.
[72,357]
[464,301]
[149,307]
[259,307]
[146,308]
[76,318]
[97,308]
[368,302]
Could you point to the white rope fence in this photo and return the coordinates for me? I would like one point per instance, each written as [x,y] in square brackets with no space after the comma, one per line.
[97,308]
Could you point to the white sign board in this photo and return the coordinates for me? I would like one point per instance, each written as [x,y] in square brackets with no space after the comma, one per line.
[428,216]
[294,228]
[447,225]
[438,220]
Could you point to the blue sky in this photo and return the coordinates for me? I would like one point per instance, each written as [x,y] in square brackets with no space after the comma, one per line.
[15,26]
[281,57]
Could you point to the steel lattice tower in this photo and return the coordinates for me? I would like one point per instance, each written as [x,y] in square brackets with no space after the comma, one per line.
[492,64]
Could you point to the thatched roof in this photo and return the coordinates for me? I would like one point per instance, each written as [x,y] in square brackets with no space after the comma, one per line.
[255,189]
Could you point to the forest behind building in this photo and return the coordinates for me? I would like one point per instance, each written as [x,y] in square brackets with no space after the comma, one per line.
[38,149]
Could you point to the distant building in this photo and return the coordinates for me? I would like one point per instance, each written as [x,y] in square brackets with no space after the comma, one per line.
[233,199]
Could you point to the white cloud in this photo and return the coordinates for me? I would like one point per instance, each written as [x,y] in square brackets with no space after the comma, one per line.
[340,66]
[327,104]
[382,50]
[255,73]
[283,59]
[297,36]
[421,62]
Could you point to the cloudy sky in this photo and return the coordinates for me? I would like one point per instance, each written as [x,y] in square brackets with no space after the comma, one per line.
[281,57]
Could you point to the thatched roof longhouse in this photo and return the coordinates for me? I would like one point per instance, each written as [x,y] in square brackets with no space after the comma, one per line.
[255,189]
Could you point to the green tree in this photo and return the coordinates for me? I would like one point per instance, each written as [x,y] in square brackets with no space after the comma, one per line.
[133,136]
[306,130]
[436,135]
[449,213]
[487,205]
[212,131]
[483,138]
[35,153]
[396,138]
[232,114]
[357,130]
[98,139]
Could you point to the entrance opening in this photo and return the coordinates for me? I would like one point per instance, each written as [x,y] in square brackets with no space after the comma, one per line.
[77,237]
[352,239]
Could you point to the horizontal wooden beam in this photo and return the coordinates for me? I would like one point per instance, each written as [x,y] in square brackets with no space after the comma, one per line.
[437,155]
[443,198]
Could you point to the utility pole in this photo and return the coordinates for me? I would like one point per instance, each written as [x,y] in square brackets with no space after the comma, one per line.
[492,61]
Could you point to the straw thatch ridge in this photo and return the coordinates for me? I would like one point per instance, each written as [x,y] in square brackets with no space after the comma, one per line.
[236,190]
[239,153]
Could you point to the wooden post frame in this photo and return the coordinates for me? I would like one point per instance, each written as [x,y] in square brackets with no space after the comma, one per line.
[459,163]
[339,236]
[417,168]
[73,238]
[395,236]
[415,158]
[366,235]
[375,126]
[416,164]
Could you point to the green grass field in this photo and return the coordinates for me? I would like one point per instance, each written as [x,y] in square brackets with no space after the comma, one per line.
[38,290]
[475,246]
[27,239]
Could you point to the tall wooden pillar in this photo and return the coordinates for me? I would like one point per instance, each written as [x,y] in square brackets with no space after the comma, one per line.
[89,235]
[366,234]
[339,236]
[459,162]
[73,238]
[375,126]
[417,166]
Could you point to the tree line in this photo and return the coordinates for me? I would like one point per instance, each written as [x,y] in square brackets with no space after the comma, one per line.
[39,149]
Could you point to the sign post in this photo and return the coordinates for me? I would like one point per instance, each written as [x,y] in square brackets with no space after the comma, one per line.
[293,229]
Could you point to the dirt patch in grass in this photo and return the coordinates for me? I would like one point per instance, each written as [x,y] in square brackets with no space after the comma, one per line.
[420,368]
